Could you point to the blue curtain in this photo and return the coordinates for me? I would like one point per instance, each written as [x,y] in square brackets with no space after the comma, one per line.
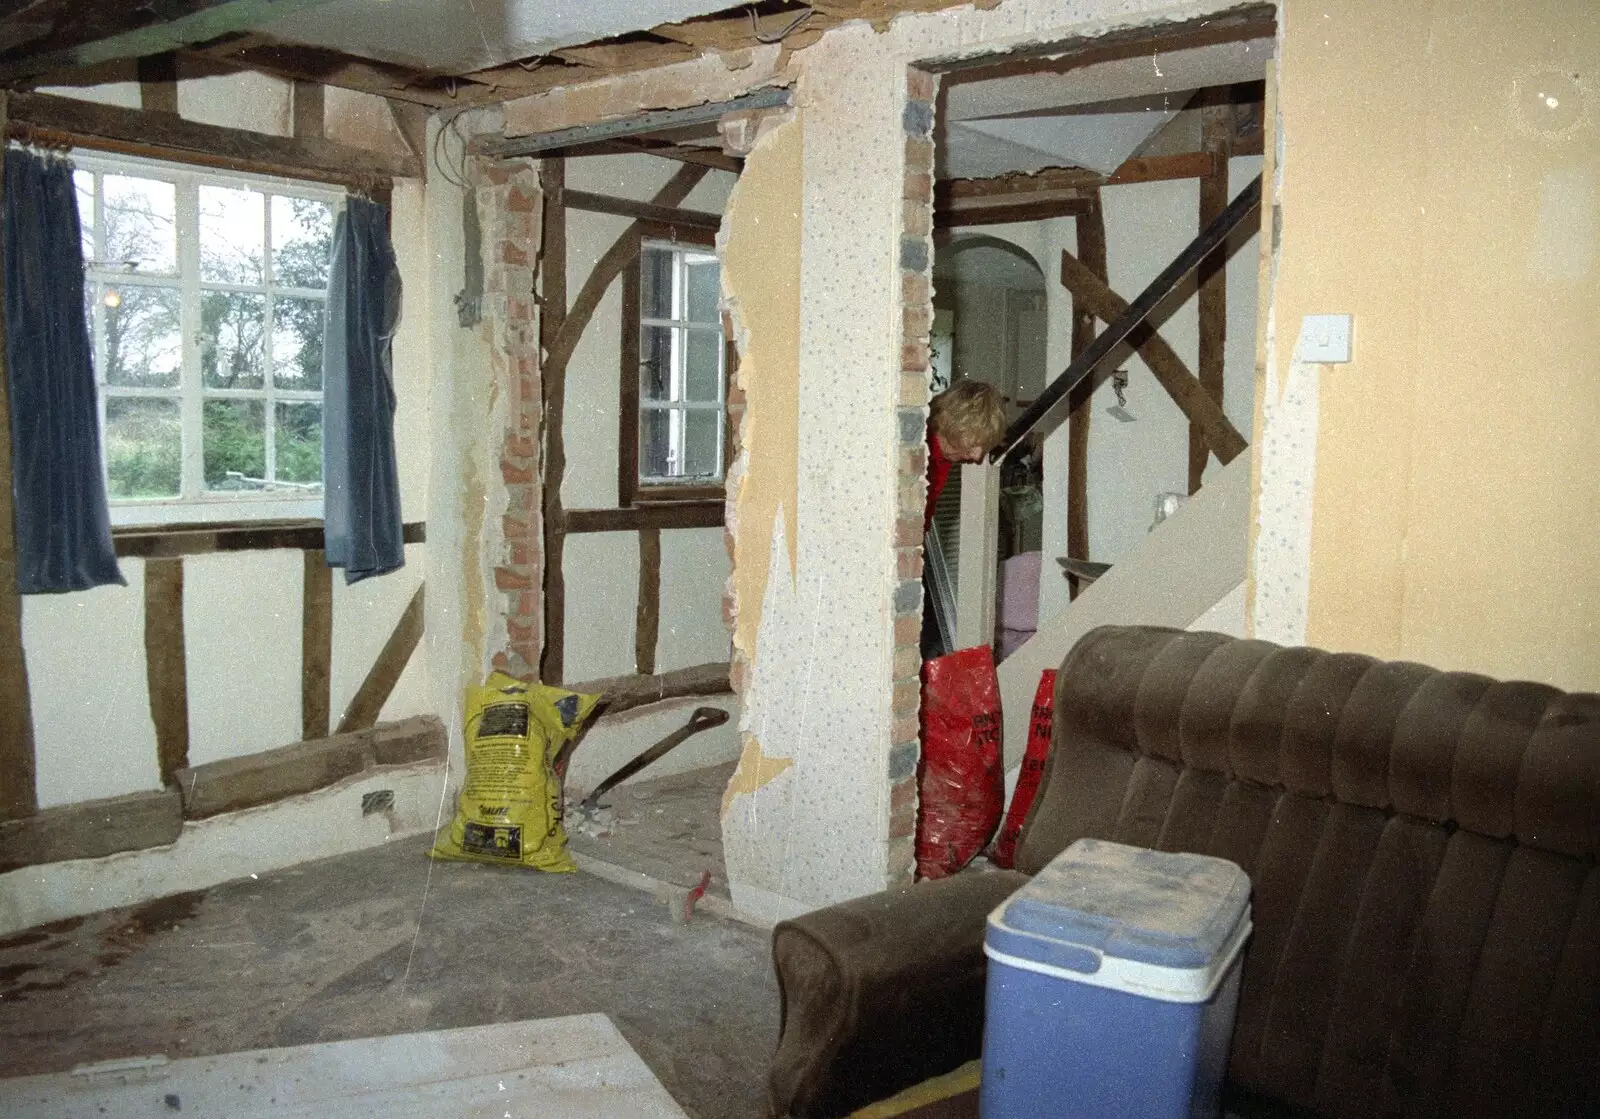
[62,523]
[361,485]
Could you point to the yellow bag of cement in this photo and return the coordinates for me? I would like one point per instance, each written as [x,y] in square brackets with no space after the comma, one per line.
[509,811]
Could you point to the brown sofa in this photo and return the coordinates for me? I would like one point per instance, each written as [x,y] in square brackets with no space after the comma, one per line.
[1422,849]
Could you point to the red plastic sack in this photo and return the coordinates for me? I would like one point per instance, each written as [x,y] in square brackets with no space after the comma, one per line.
[959,781]
[1040,722]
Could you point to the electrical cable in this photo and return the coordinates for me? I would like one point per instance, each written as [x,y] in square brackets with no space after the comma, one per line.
[755,27]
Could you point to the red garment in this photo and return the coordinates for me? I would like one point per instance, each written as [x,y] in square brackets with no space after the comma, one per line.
[938,475]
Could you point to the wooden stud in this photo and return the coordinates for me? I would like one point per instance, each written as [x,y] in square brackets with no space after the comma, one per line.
[649,515]
[386,670]
[158,83]
[647,616]
[1092,293]
[553,375]
[18,794]
[316,645]
[1092,251]
[309,112]
[628,394]
[165,663]
[134,132]
[1216,128]
[645,211]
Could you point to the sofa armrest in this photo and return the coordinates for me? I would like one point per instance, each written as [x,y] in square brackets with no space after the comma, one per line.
[881,992]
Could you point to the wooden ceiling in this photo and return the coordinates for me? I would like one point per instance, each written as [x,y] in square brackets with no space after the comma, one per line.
[80,42]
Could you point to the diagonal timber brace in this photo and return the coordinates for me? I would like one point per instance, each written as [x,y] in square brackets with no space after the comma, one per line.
[1138,311]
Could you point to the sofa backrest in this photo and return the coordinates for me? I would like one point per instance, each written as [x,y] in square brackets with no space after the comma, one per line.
[1421,846]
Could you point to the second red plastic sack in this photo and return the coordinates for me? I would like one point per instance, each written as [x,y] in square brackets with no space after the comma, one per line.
[1040,723]
[959,781]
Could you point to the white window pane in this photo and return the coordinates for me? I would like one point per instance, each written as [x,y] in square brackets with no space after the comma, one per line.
[141,223]
[655,452]
[84,182]
[702,365]
[703,291]
[297,343]
[655,282]
[297,436]
[143,335]
[232,332]
[655,363]
[235,444]
[302,235]
[232,229]
[701,457]
[144,448]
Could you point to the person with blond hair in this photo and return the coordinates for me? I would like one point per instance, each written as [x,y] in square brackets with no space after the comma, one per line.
[965,423]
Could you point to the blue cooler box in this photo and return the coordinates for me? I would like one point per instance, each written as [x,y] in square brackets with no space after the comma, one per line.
[1113,978]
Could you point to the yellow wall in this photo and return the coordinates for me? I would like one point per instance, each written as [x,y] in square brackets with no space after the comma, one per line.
[1431,187]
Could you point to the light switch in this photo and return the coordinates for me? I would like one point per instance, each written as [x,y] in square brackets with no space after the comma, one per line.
[1324,339]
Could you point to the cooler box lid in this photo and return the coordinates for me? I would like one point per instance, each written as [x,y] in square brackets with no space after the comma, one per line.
[1170,923]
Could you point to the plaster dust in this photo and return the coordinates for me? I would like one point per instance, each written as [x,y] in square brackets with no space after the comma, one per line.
[1455,482]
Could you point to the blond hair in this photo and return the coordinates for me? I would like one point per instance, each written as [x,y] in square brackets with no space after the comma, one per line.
[970,413]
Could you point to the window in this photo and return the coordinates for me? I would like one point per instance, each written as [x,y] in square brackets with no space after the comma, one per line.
[205,296]
[681,420]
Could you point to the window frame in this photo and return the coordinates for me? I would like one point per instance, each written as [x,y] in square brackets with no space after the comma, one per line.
[194,504]
[632,489]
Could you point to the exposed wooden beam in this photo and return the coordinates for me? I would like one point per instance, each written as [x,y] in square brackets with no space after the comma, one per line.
[653,515]
[195,540]
[156,134]
[624,693]
[295,61]
[1092,252]
[1140,169]
[18,794]
[92,829]
[552,298]
[644,211]
[316,644]
[1090,292]
[90,33]
[647,612]
[385,673]
[962,214]
[1216,133]
[166,663]
[158,84]
[623,56]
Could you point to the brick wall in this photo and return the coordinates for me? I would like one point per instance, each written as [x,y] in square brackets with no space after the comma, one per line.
[916,263]
[508,199]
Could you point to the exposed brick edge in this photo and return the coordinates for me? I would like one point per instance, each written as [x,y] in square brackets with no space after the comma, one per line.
[916,295]
[508,199]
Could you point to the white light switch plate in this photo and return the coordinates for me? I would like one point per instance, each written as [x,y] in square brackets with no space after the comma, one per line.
[1324,338]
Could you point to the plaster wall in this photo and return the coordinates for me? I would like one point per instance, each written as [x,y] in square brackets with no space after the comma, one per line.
[88,684]
[806,819]
[1441,182]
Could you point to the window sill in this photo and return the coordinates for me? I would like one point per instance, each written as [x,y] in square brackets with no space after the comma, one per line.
[699,492]
[219,511]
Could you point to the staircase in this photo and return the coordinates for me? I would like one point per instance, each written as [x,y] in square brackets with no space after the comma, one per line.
[1191,562]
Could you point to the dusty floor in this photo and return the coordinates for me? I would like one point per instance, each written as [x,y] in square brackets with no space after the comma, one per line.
[369,944]
[669,828]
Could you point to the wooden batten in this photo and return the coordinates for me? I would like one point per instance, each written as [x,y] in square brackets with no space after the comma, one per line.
[42,116]
[385,673]
[316,645]
[18,795]
[166,663]
[647,614]
[553,383]
[1092,249]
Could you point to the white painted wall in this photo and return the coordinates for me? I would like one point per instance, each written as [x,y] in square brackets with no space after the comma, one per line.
[602,569]
[242,611]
